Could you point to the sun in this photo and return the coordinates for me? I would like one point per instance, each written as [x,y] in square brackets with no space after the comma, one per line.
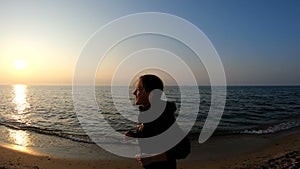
[20,64]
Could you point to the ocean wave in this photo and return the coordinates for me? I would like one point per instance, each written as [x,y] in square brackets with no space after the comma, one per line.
[52,132]
[274,128]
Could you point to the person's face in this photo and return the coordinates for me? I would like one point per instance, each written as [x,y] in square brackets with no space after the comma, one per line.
[141,96]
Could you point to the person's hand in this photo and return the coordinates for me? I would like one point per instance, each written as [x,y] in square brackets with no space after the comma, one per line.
[129,135]
[146,160]
[139,160]
[142,161]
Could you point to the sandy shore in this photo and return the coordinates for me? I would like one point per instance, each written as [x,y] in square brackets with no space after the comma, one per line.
[241,151]
[279,150]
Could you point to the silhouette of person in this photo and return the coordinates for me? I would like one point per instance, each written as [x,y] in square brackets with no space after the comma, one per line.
[154,121]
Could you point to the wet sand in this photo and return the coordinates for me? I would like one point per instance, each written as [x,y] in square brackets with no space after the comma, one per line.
[239,151]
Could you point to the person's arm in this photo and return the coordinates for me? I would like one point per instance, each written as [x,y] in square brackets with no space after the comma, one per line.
[137,132]
[130,133]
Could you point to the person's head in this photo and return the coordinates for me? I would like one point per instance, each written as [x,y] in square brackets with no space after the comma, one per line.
[144,86]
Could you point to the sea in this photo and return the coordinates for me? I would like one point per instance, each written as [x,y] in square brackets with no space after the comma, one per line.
[49,110]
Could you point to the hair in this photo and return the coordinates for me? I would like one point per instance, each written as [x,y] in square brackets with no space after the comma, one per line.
[151,82]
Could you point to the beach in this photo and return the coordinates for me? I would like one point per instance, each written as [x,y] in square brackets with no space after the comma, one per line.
[77,76]
[39,128]
[275,150]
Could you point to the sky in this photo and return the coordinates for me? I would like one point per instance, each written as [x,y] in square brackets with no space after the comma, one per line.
[258,41]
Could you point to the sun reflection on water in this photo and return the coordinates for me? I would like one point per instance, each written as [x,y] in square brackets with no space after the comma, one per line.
[20,101]
[19,138]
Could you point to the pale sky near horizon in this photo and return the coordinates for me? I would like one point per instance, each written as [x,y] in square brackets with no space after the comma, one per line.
[257,41]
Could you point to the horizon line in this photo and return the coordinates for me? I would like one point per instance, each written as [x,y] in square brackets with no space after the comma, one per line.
[205,85]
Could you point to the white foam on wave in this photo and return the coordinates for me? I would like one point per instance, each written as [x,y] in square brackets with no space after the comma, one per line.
[273,129]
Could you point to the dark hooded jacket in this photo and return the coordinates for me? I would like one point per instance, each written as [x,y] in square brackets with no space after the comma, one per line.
[156,127]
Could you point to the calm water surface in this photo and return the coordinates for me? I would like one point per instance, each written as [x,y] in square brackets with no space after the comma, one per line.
[49,110]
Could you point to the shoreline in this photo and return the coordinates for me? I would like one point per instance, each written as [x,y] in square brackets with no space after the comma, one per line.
[232,151]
